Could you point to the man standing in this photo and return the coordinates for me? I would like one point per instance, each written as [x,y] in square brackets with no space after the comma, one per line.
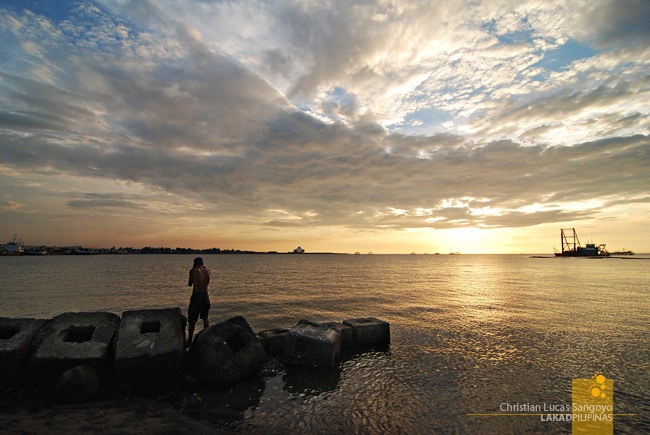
[200,301]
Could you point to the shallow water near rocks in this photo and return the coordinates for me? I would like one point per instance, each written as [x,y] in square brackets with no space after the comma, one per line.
[468,332]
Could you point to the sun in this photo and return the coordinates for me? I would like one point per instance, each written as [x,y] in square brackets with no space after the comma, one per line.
[468,237]
[468,240]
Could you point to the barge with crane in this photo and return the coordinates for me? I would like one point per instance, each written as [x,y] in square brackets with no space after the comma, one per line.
[571,246]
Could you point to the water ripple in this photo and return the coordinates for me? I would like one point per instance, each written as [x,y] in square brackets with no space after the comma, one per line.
[467,332]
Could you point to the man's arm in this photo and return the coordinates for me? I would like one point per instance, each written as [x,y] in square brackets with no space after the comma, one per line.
[190,281]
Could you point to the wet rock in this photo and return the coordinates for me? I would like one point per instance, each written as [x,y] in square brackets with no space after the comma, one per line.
[271,368]
[225,353]
[312,345]
[347,338]
[72,339]
[16,337]
[369,333]
[150,346]
[193,401]
[78,384]
[273,340]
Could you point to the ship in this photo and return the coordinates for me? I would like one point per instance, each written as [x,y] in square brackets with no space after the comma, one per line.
[14,247]
[623,252]
[571,246]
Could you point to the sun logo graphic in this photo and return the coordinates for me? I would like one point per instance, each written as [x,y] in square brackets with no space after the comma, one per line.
[592,405]
[598,388]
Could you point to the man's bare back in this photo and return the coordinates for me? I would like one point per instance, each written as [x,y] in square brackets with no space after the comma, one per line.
[199,279]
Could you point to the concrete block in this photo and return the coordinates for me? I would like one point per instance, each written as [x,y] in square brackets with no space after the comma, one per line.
[312,345]
[73,339]
[369,333]
[273,340]
[16,336]
[149,346]
[347,338]
[226,352]
[78,384]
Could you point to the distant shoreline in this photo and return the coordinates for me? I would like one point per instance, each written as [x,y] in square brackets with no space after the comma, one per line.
[45,251]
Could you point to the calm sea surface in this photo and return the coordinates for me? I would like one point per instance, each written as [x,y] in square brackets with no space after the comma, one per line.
[468,332]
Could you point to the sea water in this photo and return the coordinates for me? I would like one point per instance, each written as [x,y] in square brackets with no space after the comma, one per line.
[471,335]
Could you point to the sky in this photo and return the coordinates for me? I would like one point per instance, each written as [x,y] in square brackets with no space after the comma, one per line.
[338,126]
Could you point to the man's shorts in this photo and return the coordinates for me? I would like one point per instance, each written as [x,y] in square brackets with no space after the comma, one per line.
[199,305]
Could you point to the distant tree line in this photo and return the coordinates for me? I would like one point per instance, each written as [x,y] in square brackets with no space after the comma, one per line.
[152,250]
[80,250]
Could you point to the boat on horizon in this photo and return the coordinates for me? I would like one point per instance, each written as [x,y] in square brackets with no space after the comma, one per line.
[623,252]
[571,246]
[14,247]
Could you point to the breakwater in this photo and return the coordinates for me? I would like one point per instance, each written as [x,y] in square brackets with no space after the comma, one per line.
[83,352]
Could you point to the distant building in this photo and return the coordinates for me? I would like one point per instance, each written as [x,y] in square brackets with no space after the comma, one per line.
[298,250]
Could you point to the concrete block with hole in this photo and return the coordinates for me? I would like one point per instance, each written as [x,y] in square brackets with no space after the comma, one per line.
[72,339]
[149,346]
[311,344]
[226,352]
[16,336]
[369,333]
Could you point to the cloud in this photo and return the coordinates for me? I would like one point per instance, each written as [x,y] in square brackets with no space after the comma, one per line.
[101,201]
[9,206]
[338,113]
[611,24]
[465,59]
